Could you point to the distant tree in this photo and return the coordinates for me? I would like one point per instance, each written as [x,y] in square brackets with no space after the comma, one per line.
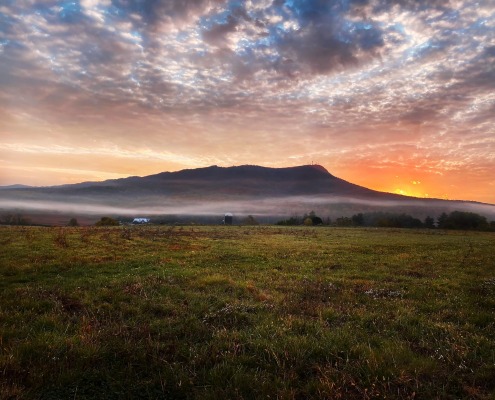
[358,219]
[290,221]
[249,220]
[429,222]
[343,221]
[386,220]
[466,220]
[442,221]
[107,221]
[14,219]
[317,220]
[73,222]
[463,220]
[407,221]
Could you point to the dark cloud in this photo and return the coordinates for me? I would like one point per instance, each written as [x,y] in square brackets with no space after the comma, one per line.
[412,5]
[481,72]
[324,45]
[155,12]
[300,37]
[217,33]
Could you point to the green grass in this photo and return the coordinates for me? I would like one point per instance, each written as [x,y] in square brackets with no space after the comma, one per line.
[246,312]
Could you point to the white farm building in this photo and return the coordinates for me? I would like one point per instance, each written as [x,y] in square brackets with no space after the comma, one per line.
[140,220]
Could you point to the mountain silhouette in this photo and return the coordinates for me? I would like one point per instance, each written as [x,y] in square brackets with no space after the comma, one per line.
[239,181]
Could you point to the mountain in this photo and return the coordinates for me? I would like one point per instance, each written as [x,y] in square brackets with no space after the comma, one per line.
[246,189]
[233,182]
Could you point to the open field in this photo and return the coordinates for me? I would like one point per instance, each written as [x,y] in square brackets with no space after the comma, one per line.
[246,312]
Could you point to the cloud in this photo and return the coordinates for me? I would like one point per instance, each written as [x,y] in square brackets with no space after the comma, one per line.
[164,15]
[326,38]
[289,76]
[217,33]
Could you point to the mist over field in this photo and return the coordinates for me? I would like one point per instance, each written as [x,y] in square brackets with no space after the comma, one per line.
[268,193]
[268,208]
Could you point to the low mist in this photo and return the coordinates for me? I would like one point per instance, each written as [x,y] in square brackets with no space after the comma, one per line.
[326,206]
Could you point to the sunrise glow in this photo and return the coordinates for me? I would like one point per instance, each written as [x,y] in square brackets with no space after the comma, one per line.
[393,96]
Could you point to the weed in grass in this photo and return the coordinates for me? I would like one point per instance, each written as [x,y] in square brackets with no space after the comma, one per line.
[126,233]
[60,238]
[384,293]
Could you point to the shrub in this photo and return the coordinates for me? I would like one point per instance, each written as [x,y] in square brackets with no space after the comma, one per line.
[107,221]
[73,222]
[60,238]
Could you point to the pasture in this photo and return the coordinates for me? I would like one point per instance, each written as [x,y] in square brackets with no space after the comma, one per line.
[203,312]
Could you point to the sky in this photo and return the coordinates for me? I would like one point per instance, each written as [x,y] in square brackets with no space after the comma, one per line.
[394,95]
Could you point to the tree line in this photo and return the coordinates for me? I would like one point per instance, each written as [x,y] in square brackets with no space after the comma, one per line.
[459,220]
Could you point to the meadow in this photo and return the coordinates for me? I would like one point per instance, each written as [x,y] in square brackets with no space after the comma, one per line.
[230,312]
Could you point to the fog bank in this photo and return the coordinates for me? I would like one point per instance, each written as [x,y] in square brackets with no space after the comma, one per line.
[277,206]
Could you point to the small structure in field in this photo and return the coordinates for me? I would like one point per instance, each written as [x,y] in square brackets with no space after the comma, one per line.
[228,219]
[140,220]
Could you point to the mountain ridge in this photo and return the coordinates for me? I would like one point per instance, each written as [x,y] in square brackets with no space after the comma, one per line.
[243,180]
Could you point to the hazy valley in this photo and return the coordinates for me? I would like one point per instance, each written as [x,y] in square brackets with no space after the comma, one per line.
[205,194]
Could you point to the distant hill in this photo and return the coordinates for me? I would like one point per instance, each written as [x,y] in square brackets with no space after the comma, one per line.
[246,189]
[14,187]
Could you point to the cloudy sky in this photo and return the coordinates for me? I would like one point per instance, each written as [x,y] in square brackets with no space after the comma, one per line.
[395,95]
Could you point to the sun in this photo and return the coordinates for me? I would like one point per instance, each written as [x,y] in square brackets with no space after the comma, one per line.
[412,191]
[402,192]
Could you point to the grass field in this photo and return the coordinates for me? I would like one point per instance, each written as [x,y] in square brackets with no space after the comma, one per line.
[246,312]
